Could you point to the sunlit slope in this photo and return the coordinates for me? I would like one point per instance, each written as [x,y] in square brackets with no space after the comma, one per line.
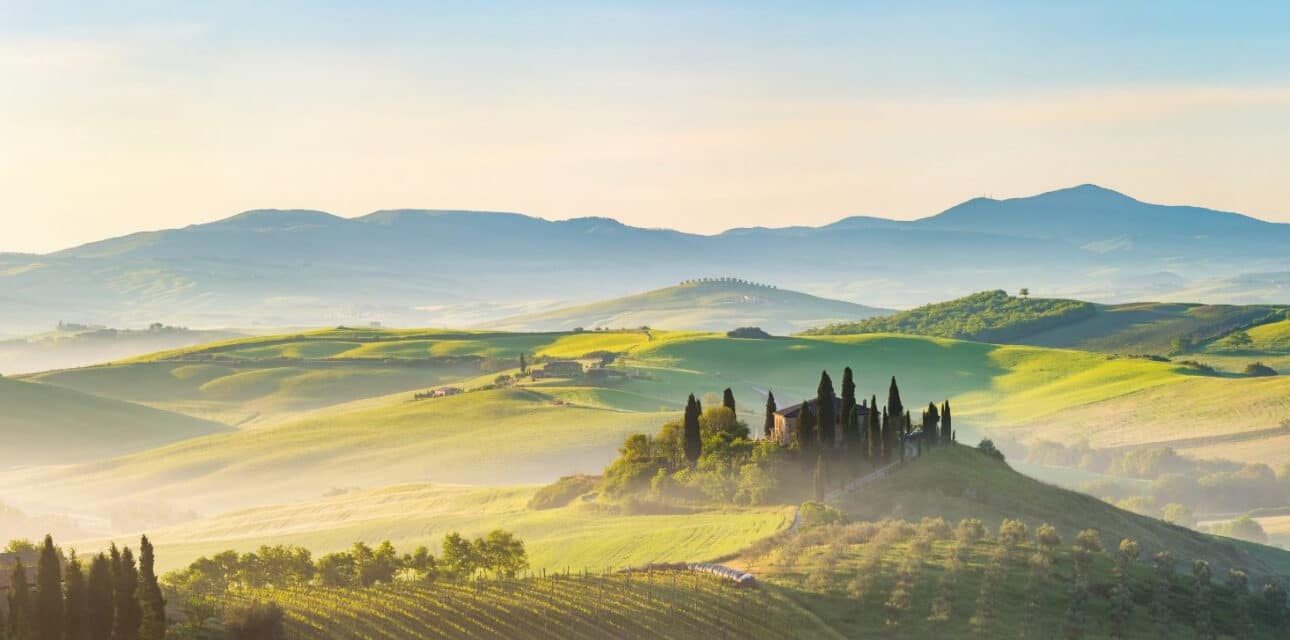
[45,424]
[715,305]
[581,535]
[960,482]
[488,437]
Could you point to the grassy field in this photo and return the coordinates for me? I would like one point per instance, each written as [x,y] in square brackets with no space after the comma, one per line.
[578,536]
[702,306]
[44,424]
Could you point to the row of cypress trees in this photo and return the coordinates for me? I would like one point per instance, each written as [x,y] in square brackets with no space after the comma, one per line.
[865,433]
[115,600]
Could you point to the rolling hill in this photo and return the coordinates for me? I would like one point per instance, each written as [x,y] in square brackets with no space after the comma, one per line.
[46,424]
[699,305]
[1135,328]
[457,268]
[78,347]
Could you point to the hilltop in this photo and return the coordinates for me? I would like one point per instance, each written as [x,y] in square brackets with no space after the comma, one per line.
[457,268]
[716,304]
[77,346]
[1133,328]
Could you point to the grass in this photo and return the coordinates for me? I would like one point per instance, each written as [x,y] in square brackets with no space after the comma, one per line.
[582,535]
[44,424]
[702,306]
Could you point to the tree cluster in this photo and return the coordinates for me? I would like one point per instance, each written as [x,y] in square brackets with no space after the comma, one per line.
[111,598]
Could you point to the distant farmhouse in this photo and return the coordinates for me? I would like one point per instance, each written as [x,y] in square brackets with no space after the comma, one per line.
[560,369]
[786,419]
[7,563]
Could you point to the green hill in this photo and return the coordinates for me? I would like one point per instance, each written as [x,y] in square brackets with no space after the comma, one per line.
[45,424]
[1138,328]
[701,305]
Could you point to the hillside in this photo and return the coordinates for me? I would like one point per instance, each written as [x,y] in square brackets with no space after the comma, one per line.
[458,268]
[65,348]
[699,305]
[45,424]
[1136,328]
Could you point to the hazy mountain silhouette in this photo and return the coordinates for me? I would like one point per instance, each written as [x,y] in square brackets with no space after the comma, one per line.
[434,267]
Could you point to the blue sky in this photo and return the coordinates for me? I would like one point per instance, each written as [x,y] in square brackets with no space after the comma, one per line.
[122,116]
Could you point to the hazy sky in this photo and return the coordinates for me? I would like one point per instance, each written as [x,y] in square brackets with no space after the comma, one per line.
[118,116]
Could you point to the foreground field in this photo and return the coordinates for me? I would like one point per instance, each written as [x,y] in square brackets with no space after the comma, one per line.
[578,536]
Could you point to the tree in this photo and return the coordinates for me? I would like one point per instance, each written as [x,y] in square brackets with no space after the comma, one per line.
[459,555]
[828,419]
[1160,587]
[873,424]
[1025,292]
[75,601]
[850,431]
[1239,583]
[1274,594]
[1121,595]
[1204,616]
[728,399]
[128,612]
[693,438]
[20,610]
[152,603]
[852,437]
[100,605]
[806,438]
[886,435]
[947,431]
[524,365]
[768,429]
[931,423]
[48,606]
[504,553]
[894,406]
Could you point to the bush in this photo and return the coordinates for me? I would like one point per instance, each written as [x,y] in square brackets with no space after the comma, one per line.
[970,530]
[256,620]
[1012,532]
[987,447]
[748,332]
[1259,370]
[815,514]
[562,491]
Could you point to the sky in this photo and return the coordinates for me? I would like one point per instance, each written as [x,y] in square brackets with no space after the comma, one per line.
[124,116]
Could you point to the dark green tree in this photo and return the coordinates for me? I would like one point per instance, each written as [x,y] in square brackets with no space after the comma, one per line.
[1239,583]
[848,407]
[152,603]
[827,417]
[693,440]
[932,424]
[100,605]
[1274,596]
[1202,605]
[887,435]
[947,431]
[804,435]
[874,426]
[128,613]
[769,426]
[894,406]
[728,399]
[20,609]
[75,600]
[852,437]
[48,606]
[524,365]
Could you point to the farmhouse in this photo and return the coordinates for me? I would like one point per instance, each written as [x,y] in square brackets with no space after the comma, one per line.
[786,419]
[7,563]
[560,369]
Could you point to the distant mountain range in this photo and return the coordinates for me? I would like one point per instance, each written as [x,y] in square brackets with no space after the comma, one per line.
[412,267]
[718,304]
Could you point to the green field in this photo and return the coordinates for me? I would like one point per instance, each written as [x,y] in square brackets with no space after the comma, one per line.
[702,306]
[45,424]
[579,536]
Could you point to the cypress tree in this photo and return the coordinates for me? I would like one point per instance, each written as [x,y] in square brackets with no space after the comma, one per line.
[48,606]
[75,600]
[848,408]
[100,605]
[902,430]
[128,614]
[728,399]
[894,406]
[947,431]
[874,426]
[20,612]
[805,433]
[524,365]
[820,482]
[932,424]
[1204,622]
[852,438]
[828,419]
[152,602]
[693,438]
[769,427]
[886,434]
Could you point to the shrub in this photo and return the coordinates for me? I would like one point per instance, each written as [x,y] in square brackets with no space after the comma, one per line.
[254,621]
[970,530]
[987,447]
[1012,532]
[1046,537]
[562,491]
[815,514]
[748,332]
[1259,370]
